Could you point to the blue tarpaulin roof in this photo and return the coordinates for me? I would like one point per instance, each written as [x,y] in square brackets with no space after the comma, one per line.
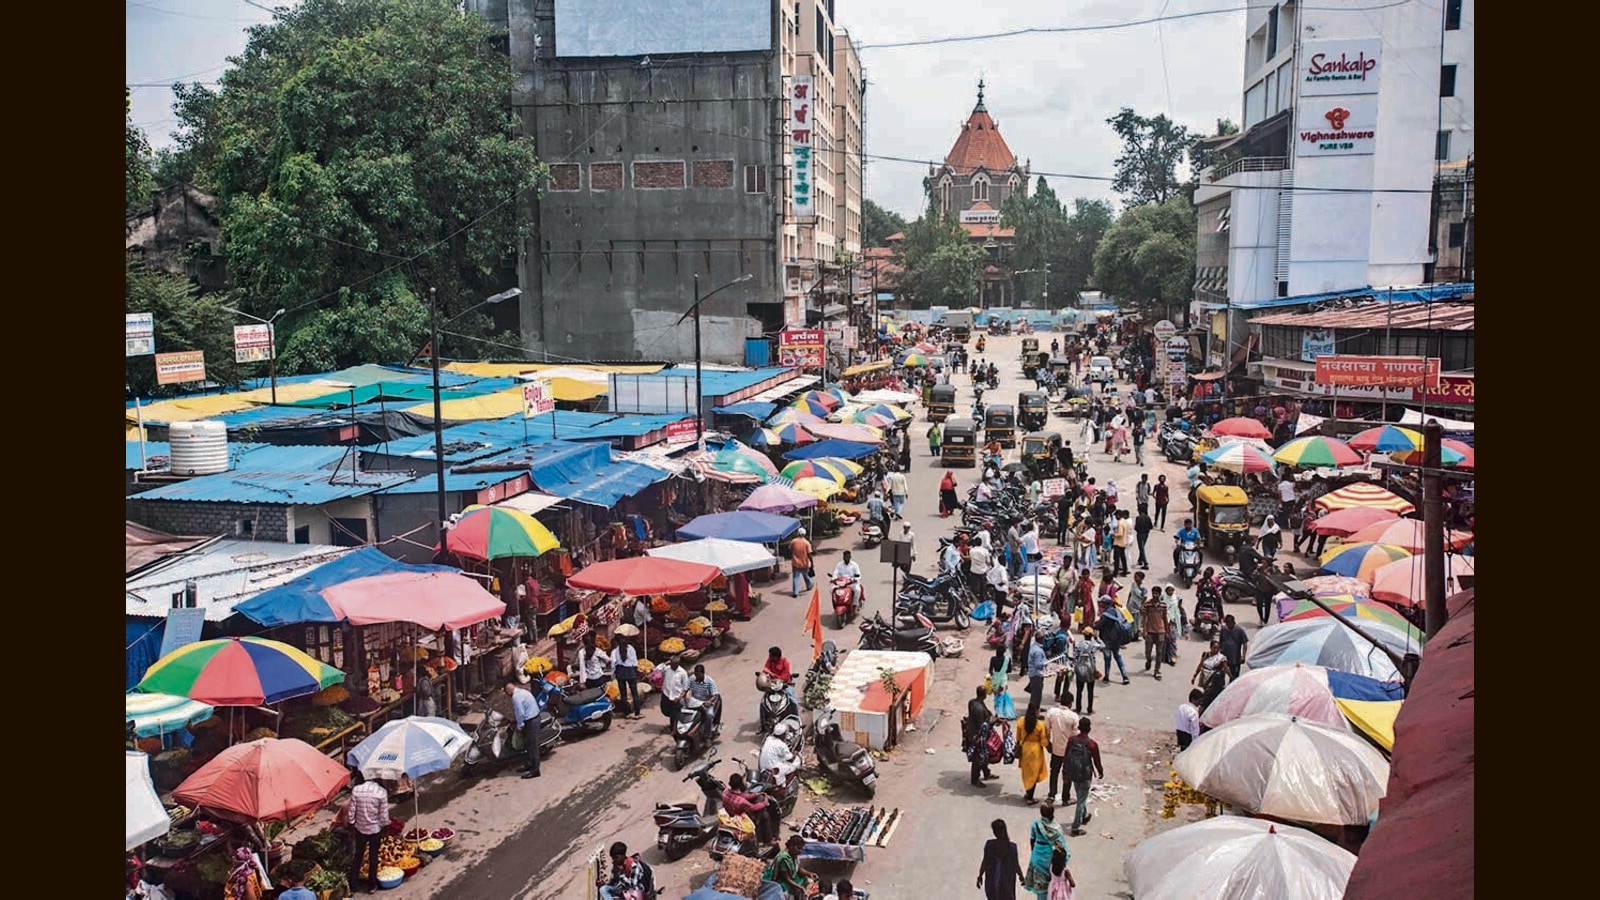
[743,525]
[755,409]
[301,600]
[584,472]
[832,447]
[454,482]
[1358,687]
[281,475]
[477,440]
[1422,294]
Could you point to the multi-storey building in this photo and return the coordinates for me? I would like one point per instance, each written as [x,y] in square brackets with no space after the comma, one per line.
[1351,113]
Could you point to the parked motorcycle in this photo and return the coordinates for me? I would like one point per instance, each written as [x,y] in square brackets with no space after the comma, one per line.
[1179,449]
[945,599]
[776,704]
[1236,588]
[871,533]
[845,602]
[694,729]
[907,633]
[840,759]
[681,826]
[490,732]
[785,793]
[576,712]
[1188,562]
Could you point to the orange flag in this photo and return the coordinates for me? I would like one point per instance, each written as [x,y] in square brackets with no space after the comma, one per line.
[813,622]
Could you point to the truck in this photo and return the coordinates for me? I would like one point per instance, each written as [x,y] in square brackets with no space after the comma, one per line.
[959,323]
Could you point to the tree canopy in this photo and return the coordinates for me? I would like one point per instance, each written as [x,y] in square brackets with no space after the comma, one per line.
[1147,169]
[1049,235]
[184,320]
[140,180]
[878,223]
[941,265]
[1146,259]
[362,153]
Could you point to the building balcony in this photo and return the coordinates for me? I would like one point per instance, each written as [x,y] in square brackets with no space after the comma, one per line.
[1247,164]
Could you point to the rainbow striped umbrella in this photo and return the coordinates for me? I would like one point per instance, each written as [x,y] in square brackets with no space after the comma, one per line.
[1364,494]
[1410,534]
[739,458]
[888,409]
[1452,453]
[868,417]
[493,532]
[763,437]
[1386,439]
[836,470]
[795,433]
[791,415]
[814,407]
[1352,608]
[820,488]
[822,397]
[838,392]
[236,671]
[911,360]
[1316,450]
[1240,457]
[1360,560]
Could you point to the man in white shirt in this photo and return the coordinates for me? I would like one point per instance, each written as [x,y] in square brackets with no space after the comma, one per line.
[979,561]
[845,568]
[949,558]
[674,685]
[897,491]
[985,492]
[776,755]
[592,668]
[910,537]
[999,581]
[1062,724]
[1187,723]
[1031,554]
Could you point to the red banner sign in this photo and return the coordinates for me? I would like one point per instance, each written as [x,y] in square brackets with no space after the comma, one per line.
[680,431]
[1453,389]
[1384,371]
[801,347]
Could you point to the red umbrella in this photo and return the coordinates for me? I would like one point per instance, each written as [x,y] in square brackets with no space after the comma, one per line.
[1349,521]
[1408,533]
[268,780]
[644,575]
[1241,426]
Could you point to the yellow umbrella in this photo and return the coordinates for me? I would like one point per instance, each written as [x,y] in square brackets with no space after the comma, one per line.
[820,488]
[1374,718]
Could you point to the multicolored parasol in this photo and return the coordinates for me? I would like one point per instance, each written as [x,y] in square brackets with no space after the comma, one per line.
[816,408]
[1365,494]
[911,360]
[1316,450]
[764,437]
[1360,560]
[493,532]
[1241,458]
[821,398]
[1402,583]
[790,415]
[1409,533]
[1349,521]
[828,468]
[1386,439]
[1453,454]
[245,671]
[1353,608]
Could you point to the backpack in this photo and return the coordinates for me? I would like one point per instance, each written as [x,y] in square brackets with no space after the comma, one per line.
[1080,765]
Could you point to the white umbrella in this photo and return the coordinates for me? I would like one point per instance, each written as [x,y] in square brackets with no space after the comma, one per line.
[1232,857]
[732,557]
[412,747]
[883,395]
[1289,768]
[146,817]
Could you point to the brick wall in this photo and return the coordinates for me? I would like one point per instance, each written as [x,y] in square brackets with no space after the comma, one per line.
[605,177]
[202,518]
[713,173]
[565,176]
[663,175]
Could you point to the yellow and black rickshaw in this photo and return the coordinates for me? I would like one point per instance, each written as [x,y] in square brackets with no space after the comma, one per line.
[1033,409]
[1000,424]
[1062,366]
[1222,513]
[941,402]
[960,446]
[1030,346]
[1039,449]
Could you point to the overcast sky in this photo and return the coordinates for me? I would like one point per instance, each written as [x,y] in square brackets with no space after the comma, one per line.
[1050,93]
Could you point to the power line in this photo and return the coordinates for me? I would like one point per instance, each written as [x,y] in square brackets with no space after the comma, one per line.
[185,15]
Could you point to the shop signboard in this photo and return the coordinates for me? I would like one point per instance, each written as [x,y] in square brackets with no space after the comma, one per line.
[180,368]
[252,343]
[801,347]
[537,398]
[800,125]
[1317,342]
[843,336]
[1164,330]
[1384,371]
[1337,126]
[1340,68]
[681,431]
[141,334]
[1457,390]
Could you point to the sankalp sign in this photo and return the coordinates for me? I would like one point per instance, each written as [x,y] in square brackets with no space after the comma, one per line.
[1339,68]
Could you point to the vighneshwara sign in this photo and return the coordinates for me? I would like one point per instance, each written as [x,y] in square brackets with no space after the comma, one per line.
[1337,126]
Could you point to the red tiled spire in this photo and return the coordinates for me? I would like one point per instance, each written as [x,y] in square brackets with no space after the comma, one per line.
[980,144]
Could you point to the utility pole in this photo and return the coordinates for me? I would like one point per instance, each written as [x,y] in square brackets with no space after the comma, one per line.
[1433,577]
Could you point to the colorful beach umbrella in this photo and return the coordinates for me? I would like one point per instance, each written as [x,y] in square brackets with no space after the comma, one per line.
[815,407]
[828,468]
[1325,587]
[764,437]
[1316,450]
[839,393]
[739,458]
[1386,439]
[1402,582]
[1410,534]
[869,418]
[1242,426]
[1241,458]
[1297,689]
[911,360]
[822,398]
[269,780]
[790,415]
[1233,856]
[1353,608]
[1365,494]
[890,410]
[1453,454]
[494,532]
[1324,642]
[236,671]
[1360,560]
[153,715]
[1349,521]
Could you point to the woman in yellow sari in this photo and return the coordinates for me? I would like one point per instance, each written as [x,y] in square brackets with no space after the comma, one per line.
[1033,740]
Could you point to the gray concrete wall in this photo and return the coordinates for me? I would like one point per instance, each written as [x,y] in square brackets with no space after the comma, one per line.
[198,517]
[620,232]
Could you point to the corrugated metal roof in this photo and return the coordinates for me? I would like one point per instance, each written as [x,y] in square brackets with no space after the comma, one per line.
[1415,316]
[280,476]
[530,502]
[151,448]
[476,440]
[226,573]
[453,482]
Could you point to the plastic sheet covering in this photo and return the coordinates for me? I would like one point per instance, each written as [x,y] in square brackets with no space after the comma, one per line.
[1330,643]
[1232,857]
[1287,767]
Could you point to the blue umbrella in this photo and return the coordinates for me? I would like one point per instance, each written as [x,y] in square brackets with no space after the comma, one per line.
[832,447]
[1358,687]
[413,747]
[742,525]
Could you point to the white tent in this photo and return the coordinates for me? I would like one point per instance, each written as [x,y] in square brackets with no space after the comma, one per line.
[1414,418]
[146,818]
[731,557]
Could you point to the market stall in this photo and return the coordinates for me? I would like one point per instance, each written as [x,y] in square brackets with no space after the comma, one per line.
[870,712]
[657,579]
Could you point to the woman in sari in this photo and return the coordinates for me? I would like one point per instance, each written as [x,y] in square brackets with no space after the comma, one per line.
[1032,740]
[1045,838]
[999,665]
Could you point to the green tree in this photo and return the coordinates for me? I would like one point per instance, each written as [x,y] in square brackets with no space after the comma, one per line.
[1146,259]
[878,223]
[184,320]
[941,265]
[1151,150]
[1202,155]
[1073,270]
[363,153]
[1041,235]
[139,180]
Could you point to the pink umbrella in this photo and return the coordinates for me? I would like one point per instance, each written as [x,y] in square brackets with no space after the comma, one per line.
[1400,582]
[1349,521]
[1297,690]
[1408,533]
[1241,426]
[433,600]
[775,498]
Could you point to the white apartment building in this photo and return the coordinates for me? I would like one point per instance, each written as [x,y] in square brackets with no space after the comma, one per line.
[1351,110]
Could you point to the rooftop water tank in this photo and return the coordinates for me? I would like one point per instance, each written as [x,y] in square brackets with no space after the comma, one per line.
[198,448]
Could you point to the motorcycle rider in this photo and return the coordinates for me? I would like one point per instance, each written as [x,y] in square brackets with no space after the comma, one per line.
[777,668]
[1207,595]
[758,806]
[844,568]
[877,513]
[777,758]
[701,690]
[1187,533]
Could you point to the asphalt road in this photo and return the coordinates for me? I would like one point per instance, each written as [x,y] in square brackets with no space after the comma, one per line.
[529,838]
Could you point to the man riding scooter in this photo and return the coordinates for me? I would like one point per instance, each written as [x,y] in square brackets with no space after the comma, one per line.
[1185,534]
[845,569]
[777,758]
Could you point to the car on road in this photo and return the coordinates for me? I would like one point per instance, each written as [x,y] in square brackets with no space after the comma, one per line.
[1100,370]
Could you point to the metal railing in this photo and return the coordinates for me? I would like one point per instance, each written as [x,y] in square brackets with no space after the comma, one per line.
[1249,164]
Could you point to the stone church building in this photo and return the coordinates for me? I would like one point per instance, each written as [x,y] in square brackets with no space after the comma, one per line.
[977,176]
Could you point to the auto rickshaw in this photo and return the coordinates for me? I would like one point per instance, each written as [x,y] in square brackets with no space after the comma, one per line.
[941,402]
[1000,424]
[1222,513]
[1033,409]
[1030,347]
[1039,450]
[1061,366]
[960,445]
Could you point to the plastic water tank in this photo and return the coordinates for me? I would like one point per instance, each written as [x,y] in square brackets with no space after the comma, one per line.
[198,448]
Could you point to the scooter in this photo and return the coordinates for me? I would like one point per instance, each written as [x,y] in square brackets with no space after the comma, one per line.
[490,733]
[784,793]
[1188,562]
[576,712]
[776,704]
[845,602]
[1207,620]
[695,728]
[1237,588]
[907,633]
[871,533]
[1179,449]
[844,760]
[680,826]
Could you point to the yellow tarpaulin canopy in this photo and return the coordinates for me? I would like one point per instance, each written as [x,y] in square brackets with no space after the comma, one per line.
[512,369]
[189,408]
[1374,718]
[497,405]
[289,393]
[864,368]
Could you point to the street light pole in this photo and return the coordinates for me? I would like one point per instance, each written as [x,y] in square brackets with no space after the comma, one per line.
[699,391]
[272,344]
